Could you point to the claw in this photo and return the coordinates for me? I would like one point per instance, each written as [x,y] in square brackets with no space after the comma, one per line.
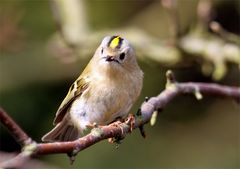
[93,125]
[130,121]
[111,140]
[118,124]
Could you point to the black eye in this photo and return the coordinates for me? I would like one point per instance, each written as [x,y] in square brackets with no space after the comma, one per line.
[102,51]
[122,56]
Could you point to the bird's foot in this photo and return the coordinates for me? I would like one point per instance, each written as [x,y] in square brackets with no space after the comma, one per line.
[130,121]
[119,123]
[92,125]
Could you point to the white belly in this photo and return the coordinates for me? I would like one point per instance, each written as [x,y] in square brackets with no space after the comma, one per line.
[102,108]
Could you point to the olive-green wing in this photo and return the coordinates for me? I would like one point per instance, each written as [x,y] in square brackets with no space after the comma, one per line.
[76,89]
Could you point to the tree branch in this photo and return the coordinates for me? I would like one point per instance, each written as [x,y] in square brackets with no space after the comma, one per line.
[20,136]
[120,129]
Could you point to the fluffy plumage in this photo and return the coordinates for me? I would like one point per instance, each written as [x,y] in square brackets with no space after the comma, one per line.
[106,90]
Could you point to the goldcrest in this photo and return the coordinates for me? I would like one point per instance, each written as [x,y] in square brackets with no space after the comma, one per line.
[104,92]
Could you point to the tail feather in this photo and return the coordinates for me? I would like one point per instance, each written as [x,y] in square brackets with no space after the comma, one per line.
[62,132]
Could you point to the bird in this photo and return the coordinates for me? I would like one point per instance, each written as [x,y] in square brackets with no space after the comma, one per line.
[105,91]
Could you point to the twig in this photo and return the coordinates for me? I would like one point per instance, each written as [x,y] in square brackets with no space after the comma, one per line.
[20,136]
[117,129]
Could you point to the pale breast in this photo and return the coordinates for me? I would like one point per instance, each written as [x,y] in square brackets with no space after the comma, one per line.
[104,101]
[109,102]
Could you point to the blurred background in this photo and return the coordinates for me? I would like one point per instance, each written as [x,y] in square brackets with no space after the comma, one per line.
[44,46]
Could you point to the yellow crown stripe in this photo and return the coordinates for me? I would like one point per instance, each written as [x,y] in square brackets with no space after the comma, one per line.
[115,42]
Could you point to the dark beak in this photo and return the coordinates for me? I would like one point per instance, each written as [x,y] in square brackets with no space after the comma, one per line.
[111,59]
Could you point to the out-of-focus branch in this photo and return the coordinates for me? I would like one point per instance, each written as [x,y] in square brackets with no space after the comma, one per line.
[217,28]
[117,129]
[171,7]
[12,36]
[213,51]
[70,17]
[204,14]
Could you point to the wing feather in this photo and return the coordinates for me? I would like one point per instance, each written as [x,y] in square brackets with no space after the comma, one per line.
[76,89]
